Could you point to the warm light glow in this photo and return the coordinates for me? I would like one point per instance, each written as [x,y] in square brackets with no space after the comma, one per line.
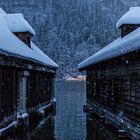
[78,78]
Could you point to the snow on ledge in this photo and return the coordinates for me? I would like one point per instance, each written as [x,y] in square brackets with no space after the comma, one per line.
[41,109]
[121,46]
[13,124]
[131,17]
[22,116]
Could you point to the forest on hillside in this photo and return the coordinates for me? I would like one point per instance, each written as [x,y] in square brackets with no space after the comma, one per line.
[71,30]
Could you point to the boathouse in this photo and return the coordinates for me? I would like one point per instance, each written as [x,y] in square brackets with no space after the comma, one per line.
[26,74]
[113,77]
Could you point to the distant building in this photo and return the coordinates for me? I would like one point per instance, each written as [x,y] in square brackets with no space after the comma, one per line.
[27,75]
[113,77]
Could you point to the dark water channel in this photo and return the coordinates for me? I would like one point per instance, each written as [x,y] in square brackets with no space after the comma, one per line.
[69,123]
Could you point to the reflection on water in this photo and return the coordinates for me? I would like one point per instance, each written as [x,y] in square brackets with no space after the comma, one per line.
[70,123]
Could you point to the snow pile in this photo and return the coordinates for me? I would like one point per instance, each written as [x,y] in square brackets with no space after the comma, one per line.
[121,46]
[24,115]
[13,46]
[17,23]
[131,17]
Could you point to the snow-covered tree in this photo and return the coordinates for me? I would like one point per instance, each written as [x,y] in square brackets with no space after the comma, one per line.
[71,30]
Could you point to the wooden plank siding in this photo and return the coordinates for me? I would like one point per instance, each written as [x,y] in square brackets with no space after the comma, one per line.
[115,83]
[128,28]
[39,89]
[24,37]
[8,94]
[10,60]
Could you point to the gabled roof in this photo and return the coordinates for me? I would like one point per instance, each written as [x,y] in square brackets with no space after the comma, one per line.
[121,46]
[10,44]
[131,17]
[17,23]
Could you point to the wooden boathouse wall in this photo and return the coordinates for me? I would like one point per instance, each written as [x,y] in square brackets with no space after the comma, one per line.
[115,84]
[40,80]
[40,90]
[8,94]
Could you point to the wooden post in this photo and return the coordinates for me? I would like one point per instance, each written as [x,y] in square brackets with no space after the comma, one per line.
[23,91]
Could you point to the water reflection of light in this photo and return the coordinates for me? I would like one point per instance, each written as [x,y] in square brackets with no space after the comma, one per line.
[78,78]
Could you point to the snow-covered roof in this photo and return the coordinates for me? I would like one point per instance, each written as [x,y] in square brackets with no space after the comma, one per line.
[43,57]
[121,46]
[131,17]
[2,11]
[17,23]
[10,44]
